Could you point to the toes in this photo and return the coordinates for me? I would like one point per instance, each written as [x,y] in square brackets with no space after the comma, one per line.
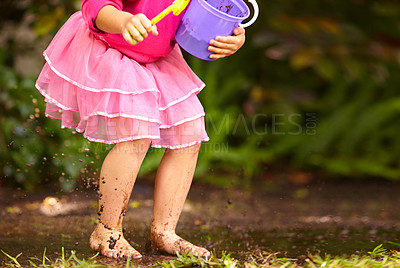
[120,250]
[94,247]
[122,254]
[108,254]
[136,255]
[201,252]
[112,254]
[173,244]
[206,255]
[132,253]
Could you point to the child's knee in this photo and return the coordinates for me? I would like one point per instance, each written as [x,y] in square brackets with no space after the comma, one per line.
[193,149]
[193,131]
[140,146]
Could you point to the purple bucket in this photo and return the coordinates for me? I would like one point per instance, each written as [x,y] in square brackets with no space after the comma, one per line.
[206,19]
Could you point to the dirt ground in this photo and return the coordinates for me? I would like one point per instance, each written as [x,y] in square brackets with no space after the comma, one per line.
[336,217]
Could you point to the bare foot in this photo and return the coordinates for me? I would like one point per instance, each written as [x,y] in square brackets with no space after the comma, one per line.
[112,244]
[171,243]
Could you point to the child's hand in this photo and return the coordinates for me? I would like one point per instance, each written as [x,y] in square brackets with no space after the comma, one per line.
[136,28]
[224,46]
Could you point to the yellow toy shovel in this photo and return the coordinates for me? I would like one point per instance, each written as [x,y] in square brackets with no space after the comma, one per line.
[176,7]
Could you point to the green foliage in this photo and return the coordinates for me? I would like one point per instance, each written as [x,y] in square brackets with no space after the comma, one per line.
[31,151]
[379,257]
[315,87]
[71,261]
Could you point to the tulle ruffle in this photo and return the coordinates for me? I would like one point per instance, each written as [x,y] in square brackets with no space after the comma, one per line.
[111,98]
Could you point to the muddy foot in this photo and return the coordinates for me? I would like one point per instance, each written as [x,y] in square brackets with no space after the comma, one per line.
[169,242]
[112,244]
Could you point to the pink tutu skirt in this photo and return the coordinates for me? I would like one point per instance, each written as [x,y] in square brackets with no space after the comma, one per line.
[111,98]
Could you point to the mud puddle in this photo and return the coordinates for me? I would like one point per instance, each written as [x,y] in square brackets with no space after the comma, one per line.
[292,243]
[335,218]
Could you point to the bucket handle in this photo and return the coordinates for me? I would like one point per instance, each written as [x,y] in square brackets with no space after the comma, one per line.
[255,15]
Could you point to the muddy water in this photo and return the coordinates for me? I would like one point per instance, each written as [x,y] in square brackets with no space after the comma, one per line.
[291,243]
[294,220]
[296,242]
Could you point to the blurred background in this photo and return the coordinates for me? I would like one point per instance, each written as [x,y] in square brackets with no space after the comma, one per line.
[313,94]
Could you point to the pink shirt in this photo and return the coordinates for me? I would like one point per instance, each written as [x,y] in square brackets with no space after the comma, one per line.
[153,47]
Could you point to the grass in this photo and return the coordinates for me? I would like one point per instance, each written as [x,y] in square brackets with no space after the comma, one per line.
[378,257]
[63,261]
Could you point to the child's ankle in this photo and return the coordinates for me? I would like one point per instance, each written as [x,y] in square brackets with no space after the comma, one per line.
[101,227]
[158,232]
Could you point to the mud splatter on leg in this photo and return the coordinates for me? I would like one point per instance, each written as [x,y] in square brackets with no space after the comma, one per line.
[173,180]
[117,178]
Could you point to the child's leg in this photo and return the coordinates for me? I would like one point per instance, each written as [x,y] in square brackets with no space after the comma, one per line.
[173,180]
[118,175]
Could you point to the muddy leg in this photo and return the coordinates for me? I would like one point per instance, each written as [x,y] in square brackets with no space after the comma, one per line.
[118,175]
[173,180]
